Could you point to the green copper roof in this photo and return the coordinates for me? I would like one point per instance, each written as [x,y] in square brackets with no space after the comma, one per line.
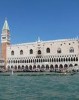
[5,26]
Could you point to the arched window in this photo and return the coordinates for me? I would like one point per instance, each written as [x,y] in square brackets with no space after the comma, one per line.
[26,67]
[38,66]
[76,65]
[60,66]
[12,52]
[37,60]
[8,67]
[71,59]
[65,66]
[11,66]
[62,59]
[56,66]
[68,59]
[25,61]
[70,65]
[51,67]
[48,50]
[31,51]
[47,66]
[22,66]
[39,51]
[52,60]
[59,50]
[59,60]
[34,67]
[21,52]
[42,67]
[30,67]
[29,60]
[22,61]
[76,58]
[15,67]
[19,67]
[71,50]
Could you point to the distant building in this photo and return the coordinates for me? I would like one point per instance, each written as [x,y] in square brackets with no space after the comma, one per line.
[40,55]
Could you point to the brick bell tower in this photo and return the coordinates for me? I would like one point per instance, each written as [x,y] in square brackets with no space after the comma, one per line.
[5,40]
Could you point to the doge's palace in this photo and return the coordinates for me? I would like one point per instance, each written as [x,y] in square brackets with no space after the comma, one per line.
[41,55]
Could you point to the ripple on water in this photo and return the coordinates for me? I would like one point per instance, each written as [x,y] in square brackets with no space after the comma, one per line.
[39,87]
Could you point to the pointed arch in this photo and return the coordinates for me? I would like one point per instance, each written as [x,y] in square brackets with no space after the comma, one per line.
[38,66]
[15,67]
[65,66]
[21,52]
[48,50]
[30,67]
[56,66]
[12,52]
[70,65]
[34,67]
[71,50]
[51,66]
[31,51]
[22,66]
[47,67]
[60,66]
[26,67]
[76,58]
[39,52]
[59,50]
[19,67]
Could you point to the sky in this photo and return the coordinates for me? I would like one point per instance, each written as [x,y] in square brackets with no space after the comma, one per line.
[47,19]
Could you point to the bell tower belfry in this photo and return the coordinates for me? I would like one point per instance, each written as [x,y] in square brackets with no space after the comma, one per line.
[5,39]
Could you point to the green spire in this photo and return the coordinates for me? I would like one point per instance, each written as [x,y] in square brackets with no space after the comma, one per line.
[5,26]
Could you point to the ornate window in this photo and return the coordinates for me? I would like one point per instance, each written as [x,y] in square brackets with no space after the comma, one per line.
[39,51]
[21,52]
[12,52]
[59,50]
[48,50]
[71,50]
[31,51]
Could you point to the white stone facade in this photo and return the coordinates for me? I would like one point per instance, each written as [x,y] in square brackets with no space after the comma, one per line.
[44,55]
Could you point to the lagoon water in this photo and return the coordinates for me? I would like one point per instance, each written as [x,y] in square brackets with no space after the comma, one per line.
[46,87]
